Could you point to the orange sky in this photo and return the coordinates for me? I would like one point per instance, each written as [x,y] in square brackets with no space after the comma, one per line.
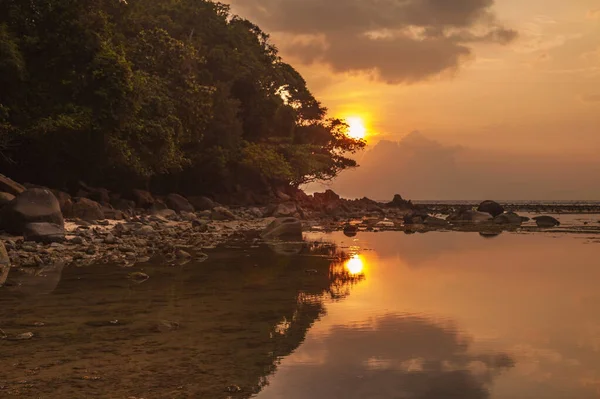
[541,89]
[504,94]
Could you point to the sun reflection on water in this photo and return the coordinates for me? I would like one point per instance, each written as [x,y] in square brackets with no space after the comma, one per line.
[355,265]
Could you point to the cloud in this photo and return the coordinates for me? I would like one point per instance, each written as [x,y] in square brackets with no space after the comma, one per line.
[419,168]
[395,41]
[591,98]
[594,14]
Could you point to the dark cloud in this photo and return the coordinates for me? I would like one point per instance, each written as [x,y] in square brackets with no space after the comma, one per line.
[397,40]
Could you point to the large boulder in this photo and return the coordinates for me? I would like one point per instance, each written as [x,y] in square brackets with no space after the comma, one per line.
[283,228]
[178,203]
[10,186]
[86,209]
[202,203]
[45,233]
[142,198]
[491,207]
[5,198]
[546,221]
[34,205]
[508,218]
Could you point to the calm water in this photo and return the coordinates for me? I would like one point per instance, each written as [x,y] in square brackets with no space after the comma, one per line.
[384,315]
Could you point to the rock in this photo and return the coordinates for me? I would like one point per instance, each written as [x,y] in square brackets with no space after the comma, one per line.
[138,277]
[165,213]
[100,195]
[415,218]
[5,198]
[4,264]
[290,228]
[435,222]
[122,204]
[10,186]
[110,239]
[491,207]
[200,225]
[399,202]
[256,213]
[287,209]
[31,206]
[86,209]
[112,214]
[508,218]
[350,230]
[65,201]
[189,216]
[179,204]
[77,240]
[181,254]
[142,199]
[222,213]
[326,197]
[546,221]
[202,203]
[470,216]
[145,231]
[45,233]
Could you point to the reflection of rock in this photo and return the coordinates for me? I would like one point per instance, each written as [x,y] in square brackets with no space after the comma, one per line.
[399,357]
[490,234]
[508,218]
[36,281]
[289,228]
[471,216]
[287,248]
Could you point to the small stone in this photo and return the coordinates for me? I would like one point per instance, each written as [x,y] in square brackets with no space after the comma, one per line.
[181,254]
[110,239]
[145,231]
[138,276]
[77,240]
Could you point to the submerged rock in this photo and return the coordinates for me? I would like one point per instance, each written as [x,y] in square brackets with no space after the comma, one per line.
[435,222]
[35,205]
[546,221]
[471,216]
[290,228]
[491,207]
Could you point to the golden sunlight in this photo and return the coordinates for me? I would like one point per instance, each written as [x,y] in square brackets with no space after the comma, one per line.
[355,265]
[356,127]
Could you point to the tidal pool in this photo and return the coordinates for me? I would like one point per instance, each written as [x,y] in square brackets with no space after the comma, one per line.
[380,315]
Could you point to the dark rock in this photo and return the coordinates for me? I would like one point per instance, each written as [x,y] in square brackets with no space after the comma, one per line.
[202,203]
[65,201]
[86,209]
[5,198]
[179,204]
[491,207]
[508,218]
[350,230]
[546,221]
[142,198]
[165,213]
[31,206]
[10,186]
[145,231]
[326,197]
[45,233]
[200,225]
[290,228]
[222,213]
[122,204]
[181,254]
[399,202]
[415,218]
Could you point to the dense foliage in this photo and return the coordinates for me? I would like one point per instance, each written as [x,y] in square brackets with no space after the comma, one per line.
[175,94]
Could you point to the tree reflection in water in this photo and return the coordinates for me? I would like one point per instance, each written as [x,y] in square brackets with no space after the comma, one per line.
[188,331]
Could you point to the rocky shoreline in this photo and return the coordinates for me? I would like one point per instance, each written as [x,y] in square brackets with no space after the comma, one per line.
[46,227]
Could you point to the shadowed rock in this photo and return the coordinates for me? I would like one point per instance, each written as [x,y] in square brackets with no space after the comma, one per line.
[546,221]
[45,233]
[35,205]
[289,228]
[491,207]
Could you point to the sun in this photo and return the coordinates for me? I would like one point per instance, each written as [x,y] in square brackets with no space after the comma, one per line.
[355,265]
[356,127]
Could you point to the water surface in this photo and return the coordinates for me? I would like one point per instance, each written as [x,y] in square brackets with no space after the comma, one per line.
[384,315]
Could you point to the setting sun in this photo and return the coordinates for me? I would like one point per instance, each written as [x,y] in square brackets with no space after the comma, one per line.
[356,127]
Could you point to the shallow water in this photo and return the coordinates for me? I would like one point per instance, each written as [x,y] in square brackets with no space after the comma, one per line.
[385,315]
